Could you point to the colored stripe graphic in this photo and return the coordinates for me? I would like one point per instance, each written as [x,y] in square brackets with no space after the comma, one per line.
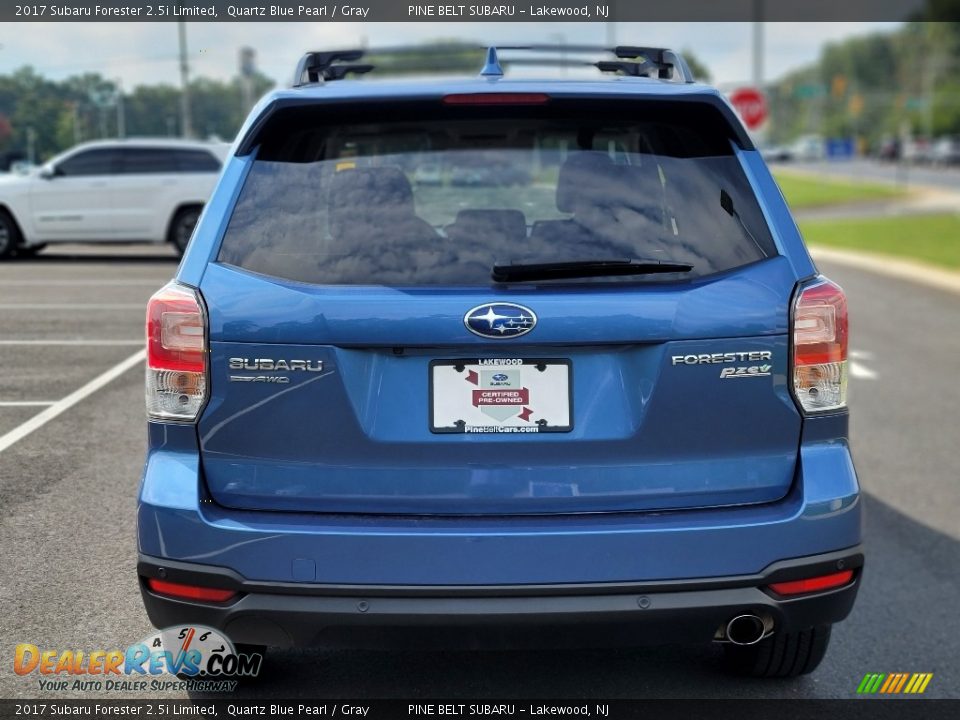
[903,681]
[894,683]
[891,680]
[870,683]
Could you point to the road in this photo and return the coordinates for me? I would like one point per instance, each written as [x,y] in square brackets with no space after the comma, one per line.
[884,172]
[68,491]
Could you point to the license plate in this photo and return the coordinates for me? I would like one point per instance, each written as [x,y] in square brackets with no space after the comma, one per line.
[500,395]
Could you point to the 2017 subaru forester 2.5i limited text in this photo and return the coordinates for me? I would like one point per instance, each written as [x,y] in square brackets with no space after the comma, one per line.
[583,383]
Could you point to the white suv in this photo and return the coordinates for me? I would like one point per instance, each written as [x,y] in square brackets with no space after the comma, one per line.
[136,190]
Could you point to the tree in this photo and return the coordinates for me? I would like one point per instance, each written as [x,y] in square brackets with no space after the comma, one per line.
[697,67]
[83,107]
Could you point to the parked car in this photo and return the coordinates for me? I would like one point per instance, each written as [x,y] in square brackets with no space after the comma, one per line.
[136,190]
[428,173]
[484,169]
[946,151]
[890,150]
[22,167]
[611,409]
[776,153]
[808,147]
[918,151]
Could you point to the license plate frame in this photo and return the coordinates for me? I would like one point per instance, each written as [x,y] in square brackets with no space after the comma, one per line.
[525,388]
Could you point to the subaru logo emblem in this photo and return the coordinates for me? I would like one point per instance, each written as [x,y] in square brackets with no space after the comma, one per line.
[500,377]
[500,320]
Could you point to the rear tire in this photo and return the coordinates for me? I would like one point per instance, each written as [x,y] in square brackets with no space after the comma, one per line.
[261,650]
[9,235]
[28,252]
[181,227]
[782,655]
[245,649]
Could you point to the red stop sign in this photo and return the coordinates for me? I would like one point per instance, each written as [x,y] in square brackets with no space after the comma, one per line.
[751,105]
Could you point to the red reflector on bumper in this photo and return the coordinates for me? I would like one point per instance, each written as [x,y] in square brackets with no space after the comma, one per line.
[823,582]
[189,592]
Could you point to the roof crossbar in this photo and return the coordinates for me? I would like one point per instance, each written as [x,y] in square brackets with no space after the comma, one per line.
[637,61]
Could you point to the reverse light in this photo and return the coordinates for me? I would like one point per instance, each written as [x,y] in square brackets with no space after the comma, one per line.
[820,347]
[176,354]
[814,584]
[189,592]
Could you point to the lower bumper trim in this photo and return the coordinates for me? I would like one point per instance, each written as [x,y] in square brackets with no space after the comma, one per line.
[288,614]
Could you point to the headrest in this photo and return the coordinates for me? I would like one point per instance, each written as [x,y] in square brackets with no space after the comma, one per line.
[508,223]
[369,196]
[641,184]
[587,173]
[371,188]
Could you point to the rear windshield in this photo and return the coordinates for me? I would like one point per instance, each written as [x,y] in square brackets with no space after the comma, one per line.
[439,197]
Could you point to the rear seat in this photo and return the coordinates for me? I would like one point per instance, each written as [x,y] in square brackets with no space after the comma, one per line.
[617,209]
[501,226]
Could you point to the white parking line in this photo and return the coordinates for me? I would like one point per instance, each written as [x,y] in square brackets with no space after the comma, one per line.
[862,371]
[79,283]
[27,403]
[73,306]
[42,418]
[92,343]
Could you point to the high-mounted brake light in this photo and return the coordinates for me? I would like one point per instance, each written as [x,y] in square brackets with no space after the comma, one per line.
[496,99]
[814,584]
[820,347]
[176,354]
[189,592]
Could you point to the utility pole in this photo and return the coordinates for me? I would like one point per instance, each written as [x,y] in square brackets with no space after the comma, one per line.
[758,44]
[121,111]
[561,40]
[31,145]
[758,29]
[75,117]
[932,66]
[186,126]
[248,68]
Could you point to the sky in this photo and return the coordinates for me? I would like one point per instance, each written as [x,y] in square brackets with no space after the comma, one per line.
[146,53]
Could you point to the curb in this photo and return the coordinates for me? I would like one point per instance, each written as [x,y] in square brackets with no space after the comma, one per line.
[913,271]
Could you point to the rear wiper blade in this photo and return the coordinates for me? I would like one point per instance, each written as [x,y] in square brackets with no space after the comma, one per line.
[521,272]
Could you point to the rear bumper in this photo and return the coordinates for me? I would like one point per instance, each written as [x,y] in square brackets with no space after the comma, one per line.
[178,522]
[291,614]
[307,578]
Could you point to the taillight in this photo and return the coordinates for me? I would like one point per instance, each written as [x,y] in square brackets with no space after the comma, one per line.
[176,354]
[820,347]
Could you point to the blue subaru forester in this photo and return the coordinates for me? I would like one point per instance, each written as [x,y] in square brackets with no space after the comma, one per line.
[497,361]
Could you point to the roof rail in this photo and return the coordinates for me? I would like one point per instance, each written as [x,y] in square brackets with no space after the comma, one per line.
[637,61]
[634,60]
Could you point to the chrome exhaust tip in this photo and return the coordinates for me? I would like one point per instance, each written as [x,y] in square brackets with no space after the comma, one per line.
[746,630]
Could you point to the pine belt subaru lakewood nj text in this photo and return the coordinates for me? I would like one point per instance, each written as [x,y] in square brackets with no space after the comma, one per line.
[497,361]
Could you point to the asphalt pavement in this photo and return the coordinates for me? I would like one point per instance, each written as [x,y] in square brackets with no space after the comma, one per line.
[68,492]
[868,170]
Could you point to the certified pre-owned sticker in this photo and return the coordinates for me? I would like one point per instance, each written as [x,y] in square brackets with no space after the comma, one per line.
[746,371]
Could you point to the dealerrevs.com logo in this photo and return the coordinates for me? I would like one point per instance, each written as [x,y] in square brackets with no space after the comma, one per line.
[199,657]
